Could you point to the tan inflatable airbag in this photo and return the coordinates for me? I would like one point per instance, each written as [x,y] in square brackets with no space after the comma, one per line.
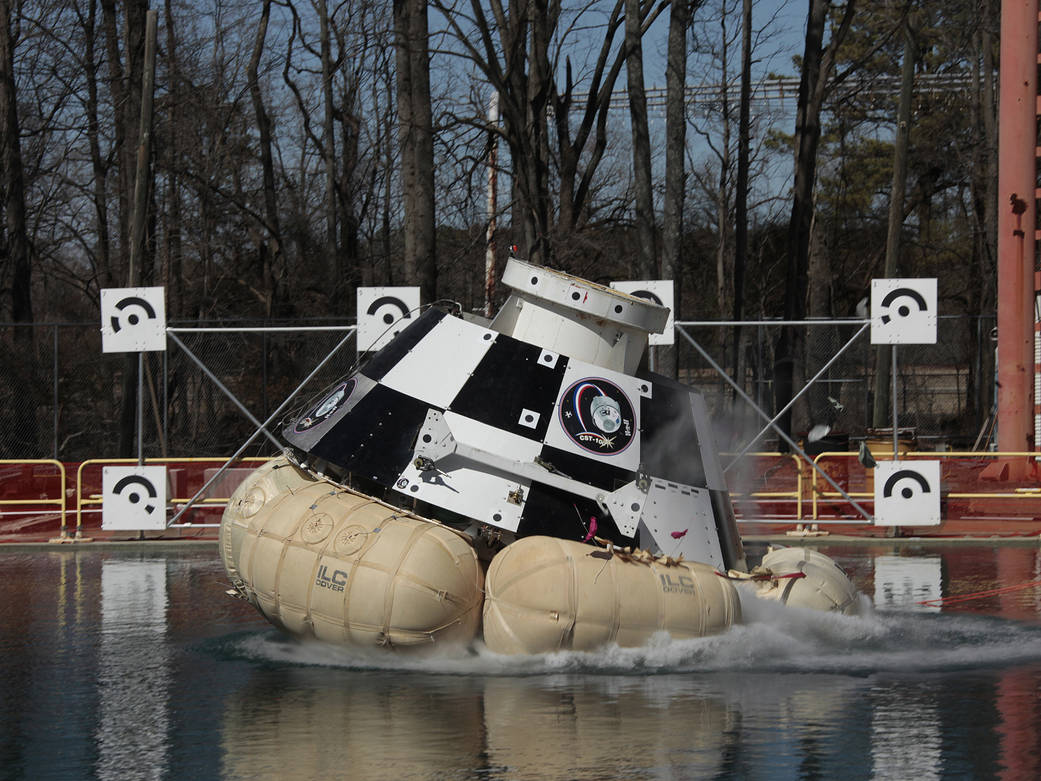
[546,594]
[320,560]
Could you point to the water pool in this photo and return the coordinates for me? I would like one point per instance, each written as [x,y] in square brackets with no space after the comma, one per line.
[133,663]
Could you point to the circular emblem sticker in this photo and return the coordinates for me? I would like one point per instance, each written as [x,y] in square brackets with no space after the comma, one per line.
[597,416]
[326,406]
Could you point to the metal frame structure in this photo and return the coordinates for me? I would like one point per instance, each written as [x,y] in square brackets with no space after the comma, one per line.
[771,423]
[171,333]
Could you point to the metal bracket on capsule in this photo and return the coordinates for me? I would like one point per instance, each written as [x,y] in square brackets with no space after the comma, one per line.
[436,442]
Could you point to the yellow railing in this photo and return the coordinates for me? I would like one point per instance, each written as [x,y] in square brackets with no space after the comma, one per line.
[59,502]
[1015,493]
[818,488]
[95,499]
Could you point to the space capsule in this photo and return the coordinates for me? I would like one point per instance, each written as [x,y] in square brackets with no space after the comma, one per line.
[524,481]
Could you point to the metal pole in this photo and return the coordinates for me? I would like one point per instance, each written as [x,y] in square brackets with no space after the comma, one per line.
[54,402]
[1017,172]
[896,455]
[213,377]
[263,366]
[828,478]
[166,400]
[140,409]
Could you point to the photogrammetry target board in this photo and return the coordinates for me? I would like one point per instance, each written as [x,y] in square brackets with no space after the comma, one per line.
[133,320]
[383,313]
[903,311]
[907,493]
[133,498]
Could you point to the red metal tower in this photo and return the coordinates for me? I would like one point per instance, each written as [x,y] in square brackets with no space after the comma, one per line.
[1018,193]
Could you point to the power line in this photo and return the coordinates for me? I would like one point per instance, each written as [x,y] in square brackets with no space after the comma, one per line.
[782,89]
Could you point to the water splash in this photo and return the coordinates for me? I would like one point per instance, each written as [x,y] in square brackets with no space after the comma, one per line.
[772,639]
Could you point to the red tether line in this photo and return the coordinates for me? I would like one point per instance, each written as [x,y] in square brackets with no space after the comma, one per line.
[978,594]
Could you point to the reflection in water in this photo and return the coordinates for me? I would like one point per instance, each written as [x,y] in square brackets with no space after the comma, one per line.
[324,721]
[133,674]
[905,730]
[570,731]
[904,582]
[117,665]
[425,726]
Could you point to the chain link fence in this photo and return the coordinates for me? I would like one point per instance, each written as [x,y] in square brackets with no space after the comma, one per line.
[62,398]
[944,392]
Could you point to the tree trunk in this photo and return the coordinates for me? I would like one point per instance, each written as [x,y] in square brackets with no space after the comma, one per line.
[173,234]
[722,195]
[423,118]
[816,68]
[415,133]
[332,255]
[646,258]
[820,342]
[12,184]
[272,249]
[675,161]
[744,133]
[99,166]
[881,411]
[13,180]
[142,168]
[979,389]
[542,22]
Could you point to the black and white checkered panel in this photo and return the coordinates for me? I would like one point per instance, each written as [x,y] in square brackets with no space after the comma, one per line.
[326,411]
[376,438]
[590,424]
[437,368]
[389,356]
[514,388]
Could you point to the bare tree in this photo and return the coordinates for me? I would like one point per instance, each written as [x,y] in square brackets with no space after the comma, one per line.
[680,14]
[647,260]
[17,266]
[334,269]
[817,64]
[125,69]
[415,128]
[511,50]
[672,267]
[15,263]
[272,253]
[744,142]
[881,410]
